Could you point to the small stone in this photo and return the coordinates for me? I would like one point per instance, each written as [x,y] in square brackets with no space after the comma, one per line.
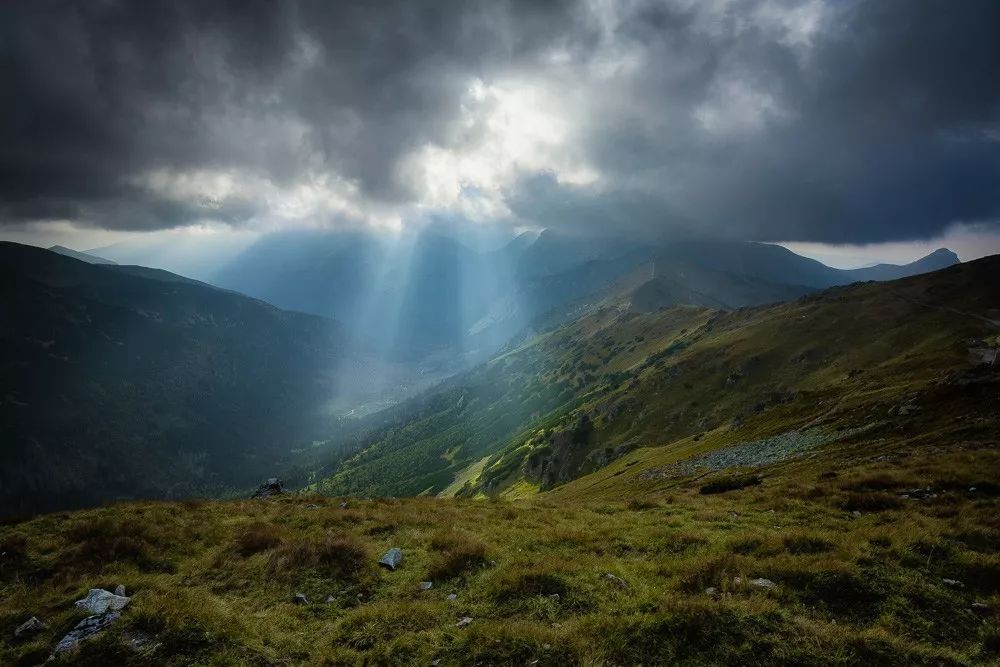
[856,513]
[463,622]
[953,582]
[762,583]
[330,599]
[392,558]
[452,597]
[343,504]
[120,590]
[312,506]
[546,646]
[300,598]
[710,590]
[435,662]
[616,580]
[426,585]
[972,489]
[554,597]
[30,627]
[140,641]
[99,601]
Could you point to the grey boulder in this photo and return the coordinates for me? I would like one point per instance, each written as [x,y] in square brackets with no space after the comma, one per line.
[85,629]
[392,558]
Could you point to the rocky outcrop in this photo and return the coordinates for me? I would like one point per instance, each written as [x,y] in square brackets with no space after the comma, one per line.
[272,487]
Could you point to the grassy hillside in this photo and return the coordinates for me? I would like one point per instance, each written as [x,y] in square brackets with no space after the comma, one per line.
[571,400]
[861,566]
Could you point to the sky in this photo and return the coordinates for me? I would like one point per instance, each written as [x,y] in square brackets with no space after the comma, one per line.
[856,131]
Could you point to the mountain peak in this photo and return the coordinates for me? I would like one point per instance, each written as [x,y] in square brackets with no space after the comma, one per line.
[943,253]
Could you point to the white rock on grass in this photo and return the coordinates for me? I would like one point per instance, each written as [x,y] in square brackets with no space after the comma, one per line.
[99,601]
[463,622]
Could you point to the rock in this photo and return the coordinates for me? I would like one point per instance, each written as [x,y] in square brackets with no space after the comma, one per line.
[120,590]
[953,582]
[711,590]
[554,597]
[463,622]
[617,581]
[426,585]
[856,513]
[300,598]
[312,506]
[343,504]
[272,487]
[762,583]
[30,627]
[330,599]
[99,601]
[452,597]
[85,629]
[392,558]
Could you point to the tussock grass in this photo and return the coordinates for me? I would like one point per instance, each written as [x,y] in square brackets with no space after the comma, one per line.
[256,537]
[456,554]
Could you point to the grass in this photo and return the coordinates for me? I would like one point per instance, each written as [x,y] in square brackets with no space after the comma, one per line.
[213,580]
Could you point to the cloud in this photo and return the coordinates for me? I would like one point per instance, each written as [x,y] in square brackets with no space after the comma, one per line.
[845,121]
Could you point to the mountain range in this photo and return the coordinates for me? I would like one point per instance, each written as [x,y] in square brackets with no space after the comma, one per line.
[131,381]
[414,295]
[169,386]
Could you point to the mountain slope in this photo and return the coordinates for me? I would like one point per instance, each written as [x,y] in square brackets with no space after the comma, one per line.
[573,399]
[82,256]
[117,384]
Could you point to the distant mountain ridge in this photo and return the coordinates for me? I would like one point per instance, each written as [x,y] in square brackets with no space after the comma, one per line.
[427,293]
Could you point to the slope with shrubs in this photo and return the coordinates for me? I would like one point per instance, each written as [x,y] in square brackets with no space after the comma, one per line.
[574,399]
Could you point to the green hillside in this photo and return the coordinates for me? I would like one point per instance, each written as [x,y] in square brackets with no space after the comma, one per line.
[571,400]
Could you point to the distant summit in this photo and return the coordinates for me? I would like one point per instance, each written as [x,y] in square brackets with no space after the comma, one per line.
[941,258]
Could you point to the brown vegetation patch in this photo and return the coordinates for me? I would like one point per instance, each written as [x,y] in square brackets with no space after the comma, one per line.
[343,555]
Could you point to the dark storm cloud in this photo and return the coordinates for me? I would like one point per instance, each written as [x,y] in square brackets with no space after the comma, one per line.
[735,118]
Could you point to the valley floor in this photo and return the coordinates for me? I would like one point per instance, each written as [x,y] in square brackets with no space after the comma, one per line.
[877,552]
